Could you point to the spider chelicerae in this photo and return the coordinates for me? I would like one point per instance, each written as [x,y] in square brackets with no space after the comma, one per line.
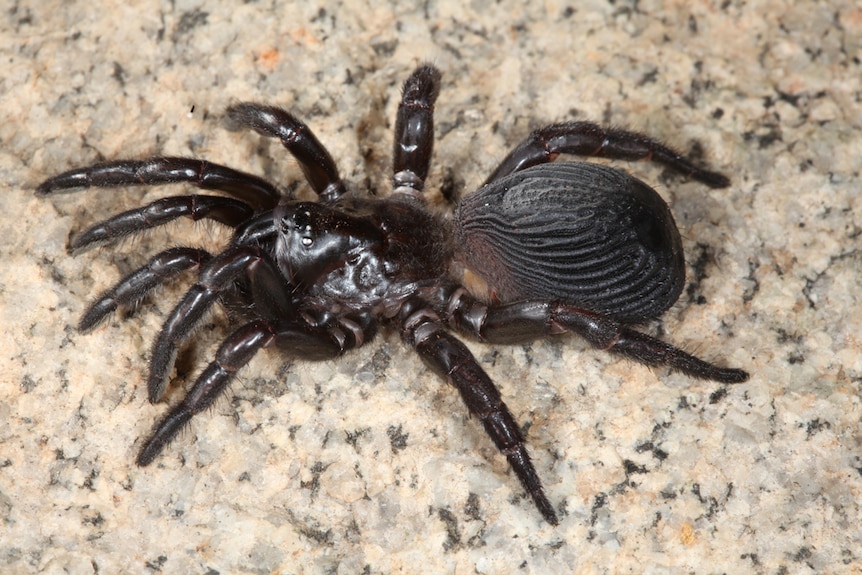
[541,248]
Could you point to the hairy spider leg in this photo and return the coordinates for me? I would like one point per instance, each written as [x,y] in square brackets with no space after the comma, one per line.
[414,130]
[216,277]
[227,211]
[135,286]
[451,360]
[315,161]
[248,188]
[252,194]
[529,320]
[259,230]
[165,265]
[326,340]
[589,139]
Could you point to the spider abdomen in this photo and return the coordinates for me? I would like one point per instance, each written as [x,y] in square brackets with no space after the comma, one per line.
[584,233]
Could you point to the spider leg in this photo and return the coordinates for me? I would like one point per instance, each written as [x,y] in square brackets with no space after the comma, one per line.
[218,275]
[414,130]
[529,320]
[227,211]
[451,359]
[589,139]
[167,264]
[167,170]
[316,162]
[257,231]
[320,341]
[142,281]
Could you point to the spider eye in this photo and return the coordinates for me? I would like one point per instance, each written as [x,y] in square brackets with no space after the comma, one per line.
[299,223]
[302,220]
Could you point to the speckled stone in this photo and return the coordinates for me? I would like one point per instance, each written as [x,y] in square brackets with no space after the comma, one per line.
[370,464]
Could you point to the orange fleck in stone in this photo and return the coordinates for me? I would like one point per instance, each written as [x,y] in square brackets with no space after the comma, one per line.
[268,58]
[687,535]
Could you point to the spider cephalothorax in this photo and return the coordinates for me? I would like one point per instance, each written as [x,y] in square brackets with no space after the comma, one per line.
[548,248]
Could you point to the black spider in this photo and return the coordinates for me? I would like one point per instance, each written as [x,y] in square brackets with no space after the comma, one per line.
[539,249]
